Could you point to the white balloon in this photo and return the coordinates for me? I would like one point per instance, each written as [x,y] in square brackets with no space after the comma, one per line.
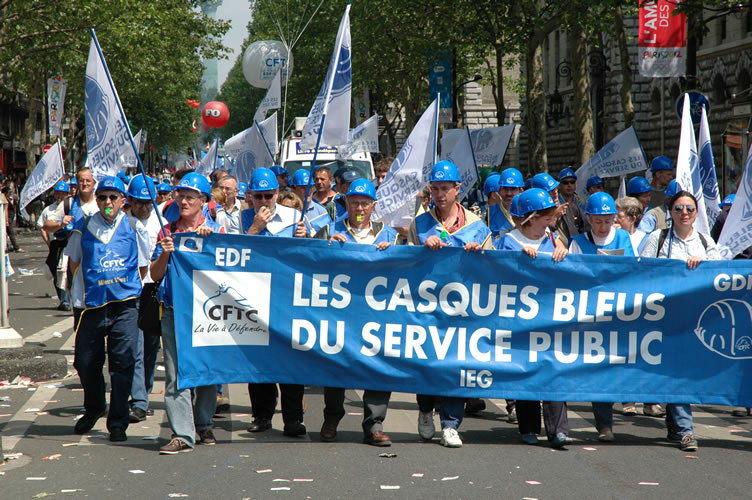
[262,59]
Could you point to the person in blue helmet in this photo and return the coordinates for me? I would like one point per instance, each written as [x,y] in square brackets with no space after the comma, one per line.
[490,189]
[568,188]
[316,215]
[109,258]
[639,188]
[663,172]
[658,216]
[268,218]
[73,184]
[141,213]
[56,260]
[188,410]
[569,219]
[283,176]
[242,188]
[446,224]
[164,193]
[358,228]
[594,184]
[603,239]
[343,177]
[499,219]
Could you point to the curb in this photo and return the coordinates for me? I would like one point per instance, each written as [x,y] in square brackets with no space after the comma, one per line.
[31,361]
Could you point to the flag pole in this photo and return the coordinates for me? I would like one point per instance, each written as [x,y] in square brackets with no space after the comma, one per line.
[313,167]
[62,161]
[127,127]
[268,149]
[475,163]
[216,153]
[436,126]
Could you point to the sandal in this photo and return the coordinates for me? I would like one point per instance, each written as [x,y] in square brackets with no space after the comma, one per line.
[629,411]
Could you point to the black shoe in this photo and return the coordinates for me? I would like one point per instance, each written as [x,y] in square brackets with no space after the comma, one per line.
[260,425]
[473,406]
[150,412]
[86,422]
[294,428]
[136,415]
[64,307]
[118,434]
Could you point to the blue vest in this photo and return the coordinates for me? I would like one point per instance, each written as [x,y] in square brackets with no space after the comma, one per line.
[621,240]
[165,289]
[316,217]
[509,242]
[110,268]
[498,222]
[386,233]
[246,221]
[427,225]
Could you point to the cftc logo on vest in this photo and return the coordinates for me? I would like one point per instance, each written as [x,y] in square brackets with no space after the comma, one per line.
[111,262]
[230,308]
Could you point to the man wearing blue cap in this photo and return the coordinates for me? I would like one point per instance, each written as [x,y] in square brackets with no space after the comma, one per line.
[282,175]
[447,224]
[595,184]
[358,228]
[316,215]
[164,194]
[343,177]
[109,259]
[568,188]
[663,171]
[510,184]
[569,218]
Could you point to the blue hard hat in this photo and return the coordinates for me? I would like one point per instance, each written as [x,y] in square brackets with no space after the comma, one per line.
[163,187]
[638,185]
[671,189]
[445,171]
[661,163]
[532,200]
[62,187]
[278,170]
[593,181]
[195,182]
[545,182]
[600,204]
[300,178]
[567,173]
[141,189]
[126,180]
[511,178]
[362,187]
[73,181]
[727,201]
[263,179]
[155,180]
[491,185]
[111,183]
[529,183]
[121,174]
[241,190]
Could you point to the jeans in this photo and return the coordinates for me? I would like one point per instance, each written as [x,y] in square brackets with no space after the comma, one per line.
[451,412]
[180,410]
[117,322]
[679,419]
[143,373]
[604,415]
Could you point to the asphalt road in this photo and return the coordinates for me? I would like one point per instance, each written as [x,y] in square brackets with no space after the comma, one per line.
[46,458]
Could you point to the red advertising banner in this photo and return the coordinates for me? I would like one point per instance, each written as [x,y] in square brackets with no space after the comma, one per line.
[662,39]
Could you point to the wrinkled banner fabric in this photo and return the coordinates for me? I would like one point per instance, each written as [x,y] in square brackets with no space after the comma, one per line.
[487,324]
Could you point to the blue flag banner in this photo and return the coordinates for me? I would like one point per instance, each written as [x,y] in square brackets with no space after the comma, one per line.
[452,323]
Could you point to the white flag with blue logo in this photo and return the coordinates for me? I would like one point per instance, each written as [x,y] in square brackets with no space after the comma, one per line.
[106,134]
[334,98]
[489,144]
[621,156]
[48,171]
[707,172]
[363,138]
[737,230]
[128,156]
[687,167]
[272,99]
[409,172]
[249,150]
[209,161]
[456,147]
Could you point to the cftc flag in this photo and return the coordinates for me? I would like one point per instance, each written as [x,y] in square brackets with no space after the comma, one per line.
[737,231]
[708,178]
[363,138]
[334,98]
[687,167]
[272,99]
[662,39]
[106,134]
[409,172]
[48,171]
[249,150]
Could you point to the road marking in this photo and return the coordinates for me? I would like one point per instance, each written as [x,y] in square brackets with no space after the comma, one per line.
[46,334]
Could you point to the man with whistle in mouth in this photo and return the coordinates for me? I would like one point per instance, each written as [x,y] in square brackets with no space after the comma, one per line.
[357,227]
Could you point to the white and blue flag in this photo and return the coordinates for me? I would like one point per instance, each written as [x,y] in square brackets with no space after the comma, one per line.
[334,98]
[249,150]
[409,172]
[209,161]
[707,172]
[457,147]
[363,138]
[48,171]
[106,134]
[737,230]
[687,167]
[272,99]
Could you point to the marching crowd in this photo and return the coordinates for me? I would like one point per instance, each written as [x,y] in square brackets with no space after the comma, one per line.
[110,245]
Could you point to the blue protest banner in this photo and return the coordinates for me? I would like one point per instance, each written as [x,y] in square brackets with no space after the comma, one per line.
[486,324]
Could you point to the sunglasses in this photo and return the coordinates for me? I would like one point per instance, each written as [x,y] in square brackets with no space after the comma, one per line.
[265,196]
[680,208]
[568,181]
[113,197]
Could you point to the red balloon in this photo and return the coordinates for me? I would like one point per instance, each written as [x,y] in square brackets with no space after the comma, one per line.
[215,114]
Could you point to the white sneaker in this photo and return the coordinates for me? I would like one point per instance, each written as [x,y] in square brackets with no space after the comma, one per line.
[426,429]
[450,438]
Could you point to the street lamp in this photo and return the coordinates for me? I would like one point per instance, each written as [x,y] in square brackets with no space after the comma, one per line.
[555,100]
[455,91]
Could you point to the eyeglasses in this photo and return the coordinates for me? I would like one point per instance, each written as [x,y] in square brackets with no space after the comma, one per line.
[113,197]
[567,182]
[680,208]
[265,196]
[140,202]
[360,204]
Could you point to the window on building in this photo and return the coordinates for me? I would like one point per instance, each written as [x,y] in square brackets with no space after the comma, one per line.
[655,102]
[722,28]
[719,90]
[743,84]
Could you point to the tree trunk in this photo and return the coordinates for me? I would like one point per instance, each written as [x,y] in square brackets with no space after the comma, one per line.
[536,107]
[30,127]
[625,92]
[581,106]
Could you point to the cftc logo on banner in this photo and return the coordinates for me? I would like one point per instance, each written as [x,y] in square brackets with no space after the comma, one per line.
[230,308]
